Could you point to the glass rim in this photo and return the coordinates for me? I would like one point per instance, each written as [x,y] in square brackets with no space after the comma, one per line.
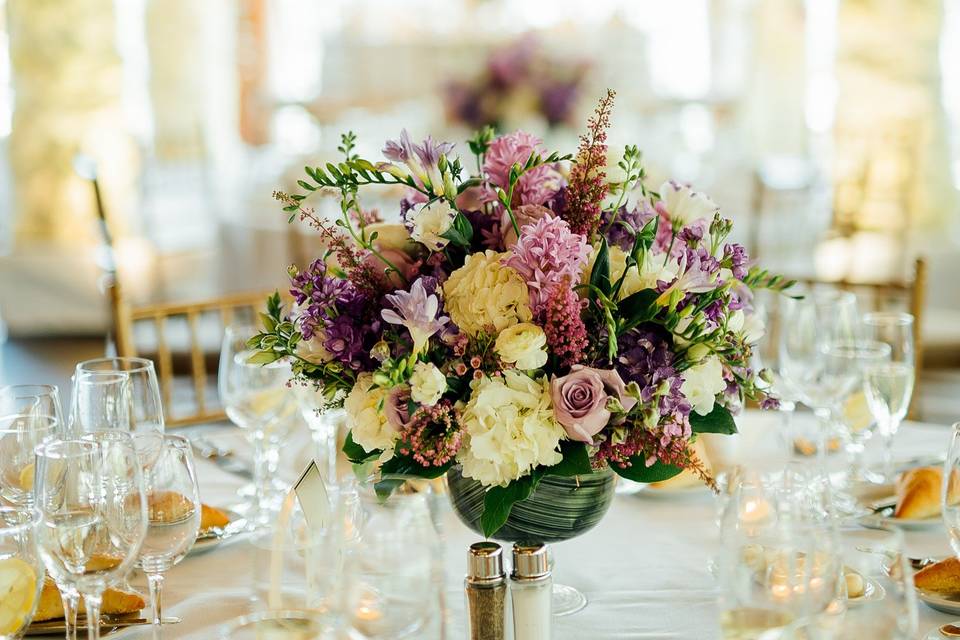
[899,318]
[53,421]
[53,450]
[102,377]
[142,364]
[860,348]
[48,389]
[31,522]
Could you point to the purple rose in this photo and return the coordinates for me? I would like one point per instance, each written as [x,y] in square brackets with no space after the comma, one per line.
[580,400]
[396,409]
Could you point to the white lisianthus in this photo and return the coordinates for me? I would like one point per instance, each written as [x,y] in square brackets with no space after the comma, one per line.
[431,221]
[312,350]
[684,205]
[701,384]
[523,345]
[508,429]
[363,407]
[427,384]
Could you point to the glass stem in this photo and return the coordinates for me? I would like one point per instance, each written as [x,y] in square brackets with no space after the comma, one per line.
[155,581]
[855,450]
[331,442]
[259,477]
[92,602]
[70,600]
[888,435]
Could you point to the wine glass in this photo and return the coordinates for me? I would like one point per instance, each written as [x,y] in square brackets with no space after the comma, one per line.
[889,385]
[324,426]
[93,516]
[39,399]
[950,491]
[810,324]
[101,401]
[173,509]
[146,408]
[19,436]
[769,306]
[848,363]
[21,570]
[256,399]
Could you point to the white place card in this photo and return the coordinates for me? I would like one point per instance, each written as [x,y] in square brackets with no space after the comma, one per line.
[312,494]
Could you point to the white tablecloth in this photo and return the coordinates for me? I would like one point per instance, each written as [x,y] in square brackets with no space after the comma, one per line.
[643,569]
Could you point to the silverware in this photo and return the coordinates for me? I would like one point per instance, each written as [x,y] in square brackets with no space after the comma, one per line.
[920,563]
[222,457]
[883,504]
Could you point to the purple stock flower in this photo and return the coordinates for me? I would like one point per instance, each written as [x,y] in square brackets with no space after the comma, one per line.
[417,311]
[628,223]
[420,159]
[736,256]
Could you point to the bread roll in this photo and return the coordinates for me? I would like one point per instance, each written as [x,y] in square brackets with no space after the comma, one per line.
[918,493]
[942,577]
[212,517]
[115,602]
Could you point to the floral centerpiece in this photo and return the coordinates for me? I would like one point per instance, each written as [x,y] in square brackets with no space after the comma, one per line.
[543,316]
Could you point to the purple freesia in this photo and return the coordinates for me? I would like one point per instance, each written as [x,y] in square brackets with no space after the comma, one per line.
[420,159]
[417,311]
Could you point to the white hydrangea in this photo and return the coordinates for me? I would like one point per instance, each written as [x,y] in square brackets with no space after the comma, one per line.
[427,384]
[509,429]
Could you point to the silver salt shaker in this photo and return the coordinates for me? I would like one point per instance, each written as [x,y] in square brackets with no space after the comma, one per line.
[531,592]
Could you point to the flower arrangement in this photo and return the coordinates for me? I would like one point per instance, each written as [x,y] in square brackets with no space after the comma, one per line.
[516,80]
[544,315]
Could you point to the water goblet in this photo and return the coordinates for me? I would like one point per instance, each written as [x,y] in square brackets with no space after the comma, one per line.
[101,401]
[19,436]
[145,406]
[21,570]
[38,399]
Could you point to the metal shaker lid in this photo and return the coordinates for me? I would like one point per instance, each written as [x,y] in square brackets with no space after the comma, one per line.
[485,562]
[530,561]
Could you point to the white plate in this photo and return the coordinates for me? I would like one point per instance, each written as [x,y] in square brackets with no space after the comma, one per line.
[940,602]
[672,493]
[876,520]
[207,540]
[873,591]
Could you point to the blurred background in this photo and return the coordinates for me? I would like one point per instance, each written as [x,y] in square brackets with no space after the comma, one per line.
[140,140]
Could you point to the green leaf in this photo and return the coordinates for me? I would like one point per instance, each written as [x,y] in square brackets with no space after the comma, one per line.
[640,472]
[576,460]
[460,232]
[717,421]
[263,357]
[600,276]
[638,307]
[499,501]
[357,454]
[268,322]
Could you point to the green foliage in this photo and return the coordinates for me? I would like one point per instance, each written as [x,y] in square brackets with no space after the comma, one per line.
[357,454]
[460,232]
[348,141]
[600,275]
[717,421]
[638,471]
[499,501]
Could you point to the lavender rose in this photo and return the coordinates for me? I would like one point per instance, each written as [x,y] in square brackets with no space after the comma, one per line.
[580,400]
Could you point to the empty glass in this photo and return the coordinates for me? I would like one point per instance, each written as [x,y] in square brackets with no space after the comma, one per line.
[950,491]
[19,436]
[173,509]
[256,399]
[145,407]
[93,516]
[889,385]
[21,570]
[101,401]
[324,428]
[769,306]
[38,399]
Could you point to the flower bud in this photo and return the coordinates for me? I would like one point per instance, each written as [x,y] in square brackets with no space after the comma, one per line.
[380,351]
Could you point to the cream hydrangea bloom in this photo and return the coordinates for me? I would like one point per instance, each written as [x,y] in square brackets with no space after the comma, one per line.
[653,269]
[363,406]
[508,429]
[484,292]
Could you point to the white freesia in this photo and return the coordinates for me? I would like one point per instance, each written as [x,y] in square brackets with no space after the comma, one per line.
[749,326]
[701,384]
[509,429]
[685,205]
[427,384]
[370,428]
[524,345]
[646,276]
[431,221]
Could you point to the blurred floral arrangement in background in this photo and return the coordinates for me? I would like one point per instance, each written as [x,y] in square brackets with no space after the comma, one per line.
[517,80]
[547,314]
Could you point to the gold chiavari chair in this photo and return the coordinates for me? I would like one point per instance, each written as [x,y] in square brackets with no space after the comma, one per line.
[901,295]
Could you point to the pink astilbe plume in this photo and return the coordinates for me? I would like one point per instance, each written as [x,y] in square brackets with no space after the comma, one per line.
[546,254]
[563,326]
[587,182]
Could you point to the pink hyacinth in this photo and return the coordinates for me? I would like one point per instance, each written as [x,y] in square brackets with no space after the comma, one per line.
[547,253]
[535,186]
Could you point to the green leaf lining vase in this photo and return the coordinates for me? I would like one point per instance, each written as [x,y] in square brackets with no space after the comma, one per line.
[559,508]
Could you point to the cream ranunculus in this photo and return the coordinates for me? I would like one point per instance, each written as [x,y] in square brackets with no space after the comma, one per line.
[701,384]
[431,221]
[485,293]
[368,422]
[508,429]
[427,384]
[523,345]
[312,350]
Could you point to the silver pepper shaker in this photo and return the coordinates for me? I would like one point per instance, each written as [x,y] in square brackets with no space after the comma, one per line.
[486,592]
[531,592]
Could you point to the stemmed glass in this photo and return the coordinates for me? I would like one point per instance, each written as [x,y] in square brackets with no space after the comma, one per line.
[39,399]
[256,399]
[21,570]
[173,508]
[19,436]
[145,407]
[93,516]
[889,385]
[769,306]
[101,401]
[950,491]
[810,324]
[323,427]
